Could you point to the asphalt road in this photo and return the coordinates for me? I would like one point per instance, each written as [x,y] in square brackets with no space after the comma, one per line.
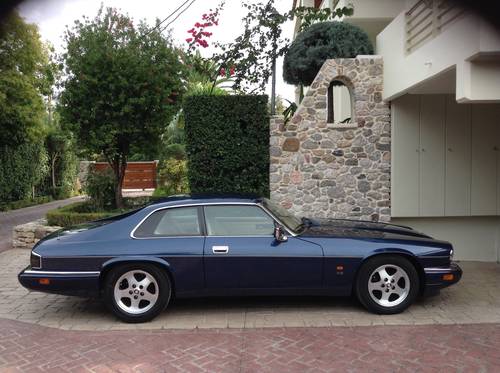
[10,219]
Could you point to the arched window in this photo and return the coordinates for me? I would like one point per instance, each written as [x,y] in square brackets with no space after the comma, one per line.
[339,104]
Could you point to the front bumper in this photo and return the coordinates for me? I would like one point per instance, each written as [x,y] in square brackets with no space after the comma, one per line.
[438,278]
[66,283]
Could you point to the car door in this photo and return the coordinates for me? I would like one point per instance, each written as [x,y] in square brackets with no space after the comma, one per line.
[240,252]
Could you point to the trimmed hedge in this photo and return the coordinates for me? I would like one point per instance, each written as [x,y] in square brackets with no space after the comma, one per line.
[83,212]
[14,205]
[227,144]
[319,42]
[76,213]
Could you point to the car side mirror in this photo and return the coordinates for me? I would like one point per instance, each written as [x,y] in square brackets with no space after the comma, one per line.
[279,234]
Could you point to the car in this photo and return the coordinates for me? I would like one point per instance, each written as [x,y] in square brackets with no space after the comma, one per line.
[196,246]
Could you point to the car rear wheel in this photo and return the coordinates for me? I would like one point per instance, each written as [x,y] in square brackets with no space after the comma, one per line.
[387,284]
[137,292]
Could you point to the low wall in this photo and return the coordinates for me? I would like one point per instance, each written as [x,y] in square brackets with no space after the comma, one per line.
[25,236]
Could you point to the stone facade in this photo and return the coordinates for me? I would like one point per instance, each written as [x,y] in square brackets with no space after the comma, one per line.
[25,236]
[325,170]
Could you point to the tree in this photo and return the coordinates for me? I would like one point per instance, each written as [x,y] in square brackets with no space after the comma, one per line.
[124,85]
[255,51]
[23,80]
[318,43]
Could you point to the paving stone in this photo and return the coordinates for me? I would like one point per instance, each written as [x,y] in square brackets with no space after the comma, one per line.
[476,299]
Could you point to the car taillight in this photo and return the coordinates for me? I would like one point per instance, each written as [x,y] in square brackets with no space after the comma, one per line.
[35,260]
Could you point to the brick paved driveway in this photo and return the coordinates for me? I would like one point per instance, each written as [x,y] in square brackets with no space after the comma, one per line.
[441,348]
[476,299]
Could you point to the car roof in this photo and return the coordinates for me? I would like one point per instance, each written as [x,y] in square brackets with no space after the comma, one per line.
[179,200]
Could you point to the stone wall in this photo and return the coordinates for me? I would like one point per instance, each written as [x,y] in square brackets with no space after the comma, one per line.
[25,236]
[326,170]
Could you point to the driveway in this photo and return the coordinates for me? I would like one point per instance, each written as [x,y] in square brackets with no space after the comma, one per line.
[430,348]
[10,219]
[476,299]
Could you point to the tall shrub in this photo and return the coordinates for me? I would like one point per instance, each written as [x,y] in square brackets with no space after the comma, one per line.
[22,169]
[227,144]
[320,42]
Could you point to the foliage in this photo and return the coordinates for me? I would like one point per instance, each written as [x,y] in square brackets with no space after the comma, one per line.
[255,50]
[227,143]
[172,175]
[289,111]
[318,43]
[22,169]
[100,187]
[14,205]
[124,86]
[76,213]
[62,162]
[23,64]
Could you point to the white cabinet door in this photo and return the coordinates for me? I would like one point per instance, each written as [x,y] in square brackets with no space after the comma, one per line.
[458,158]
[484,160]
[405,159]
[432,155]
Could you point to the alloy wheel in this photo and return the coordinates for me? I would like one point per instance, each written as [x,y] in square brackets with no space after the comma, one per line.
[136,292]
[389,285]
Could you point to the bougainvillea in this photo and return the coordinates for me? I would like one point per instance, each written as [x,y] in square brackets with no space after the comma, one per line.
[198,33]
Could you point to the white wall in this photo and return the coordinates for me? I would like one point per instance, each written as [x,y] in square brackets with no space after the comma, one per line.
[459,45]
[445,157]
[473,238]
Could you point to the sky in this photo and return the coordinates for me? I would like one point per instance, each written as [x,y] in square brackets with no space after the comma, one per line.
[52,17]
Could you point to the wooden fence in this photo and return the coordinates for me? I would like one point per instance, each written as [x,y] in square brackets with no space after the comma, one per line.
[138,175]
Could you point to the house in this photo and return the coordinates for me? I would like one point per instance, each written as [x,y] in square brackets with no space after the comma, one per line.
[422,147]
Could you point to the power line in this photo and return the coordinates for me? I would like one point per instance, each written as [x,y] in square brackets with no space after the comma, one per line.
[178,15]
[169,16]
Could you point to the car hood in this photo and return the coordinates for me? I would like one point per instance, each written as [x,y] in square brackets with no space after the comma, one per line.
[357,229]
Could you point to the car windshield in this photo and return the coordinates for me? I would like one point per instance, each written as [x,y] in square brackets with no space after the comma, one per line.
[286,217]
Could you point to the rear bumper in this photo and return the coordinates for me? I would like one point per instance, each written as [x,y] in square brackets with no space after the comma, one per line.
[66,283]
[439,278]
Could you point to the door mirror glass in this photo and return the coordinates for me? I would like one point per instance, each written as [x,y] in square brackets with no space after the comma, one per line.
[279,234]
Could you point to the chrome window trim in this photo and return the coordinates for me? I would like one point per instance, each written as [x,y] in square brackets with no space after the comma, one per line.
[35,272]
[207,204]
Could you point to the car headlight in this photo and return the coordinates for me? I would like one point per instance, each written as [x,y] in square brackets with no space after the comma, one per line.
[35,261]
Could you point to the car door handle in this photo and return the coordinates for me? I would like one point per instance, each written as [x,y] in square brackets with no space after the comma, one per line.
[220,249]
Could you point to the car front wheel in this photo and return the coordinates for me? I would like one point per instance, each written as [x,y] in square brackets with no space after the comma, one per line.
[137,292]
[387,284]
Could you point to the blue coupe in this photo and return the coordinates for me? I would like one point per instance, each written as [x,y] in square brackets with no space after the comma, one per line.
[194,246]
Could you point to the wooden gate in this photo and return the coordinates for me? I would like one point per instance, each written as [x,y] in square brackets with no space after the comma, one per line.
[138,175]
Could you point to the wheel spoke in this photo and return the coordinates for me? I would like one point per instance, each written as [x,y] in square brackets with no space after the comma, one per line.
[375,286]
[383,274]
[150,297]
[146,281]
[123,293]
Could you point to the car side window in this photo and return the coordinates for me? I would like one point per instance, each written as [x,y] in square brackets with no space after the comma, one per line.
[238,220]
[179,221]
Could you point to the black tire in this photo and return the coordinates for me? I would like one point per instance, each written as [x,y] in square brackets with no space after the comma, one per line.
[367,277]
[163,296]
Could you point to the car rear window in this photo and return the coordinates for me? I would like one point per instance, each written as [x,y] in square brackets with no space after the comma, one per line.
[172,222]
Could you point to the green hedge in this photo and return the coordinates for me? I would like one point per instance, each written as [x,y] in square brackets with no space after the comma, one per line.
[14,205]
[83,212]
[22,168]
[76,213]
[227,144]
